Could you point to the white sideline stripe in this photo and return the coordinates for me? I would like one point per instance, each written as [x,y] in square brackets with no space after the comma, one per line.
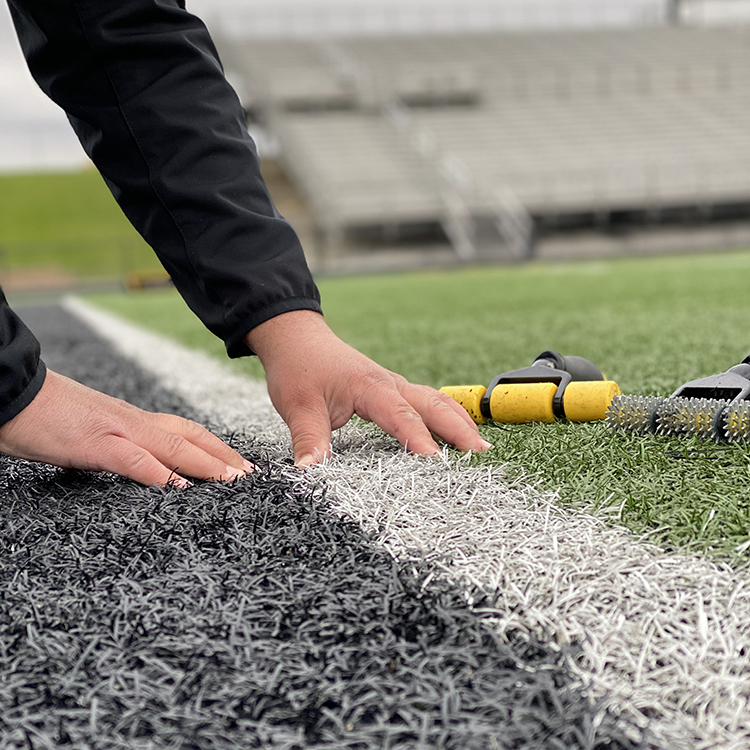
[665,636]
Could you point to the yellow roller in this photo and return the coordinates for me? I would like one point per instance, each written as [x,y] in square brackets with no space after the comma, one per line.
[587,401]
[516,403]
[470,397]
[553,387]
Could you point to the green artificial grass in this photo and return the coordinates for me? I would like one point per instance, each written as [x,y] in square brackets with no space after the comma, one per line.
[682,493]
[650,324]
[67,222]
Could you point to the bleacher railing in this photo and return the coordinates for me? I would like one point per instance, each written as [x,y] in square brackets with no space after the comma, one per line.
[460,193]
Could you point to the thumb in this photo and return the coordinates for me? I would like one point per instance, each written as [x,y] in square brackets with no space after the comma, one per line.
[310,425]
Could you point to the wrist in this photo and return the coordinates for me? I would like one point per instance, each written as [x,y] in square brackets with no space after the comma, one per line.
[281,331]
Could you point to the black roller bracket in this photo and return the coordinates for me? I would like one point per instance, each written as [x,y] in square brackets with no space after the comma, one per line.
[549,367]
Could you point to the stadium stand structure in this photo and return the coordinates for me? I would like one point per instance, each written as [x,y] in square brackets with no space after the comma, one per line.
[499,138]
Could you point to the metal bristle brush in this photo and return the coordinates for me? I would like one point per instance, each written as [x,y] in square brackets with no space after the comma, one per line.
[715,408]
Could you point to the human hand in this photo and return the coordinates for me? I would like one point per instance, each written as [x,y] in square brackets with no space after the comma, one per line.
[317,382]
[75,427]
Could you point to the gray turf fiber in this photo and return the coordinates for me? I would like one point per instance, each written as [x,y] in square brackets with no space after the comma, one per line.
[247,615]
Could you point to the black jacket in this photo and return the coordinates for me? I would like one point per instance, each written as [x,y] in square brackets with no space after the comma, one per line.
[142,85]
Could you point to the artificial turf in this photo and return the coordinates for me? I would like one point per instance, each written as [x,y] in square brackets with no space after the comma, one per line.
[654,628]
[650,324]
[247,615]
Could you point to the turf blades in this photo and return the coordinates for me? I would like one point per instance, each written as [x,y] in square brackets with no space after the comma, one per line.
[663,634]
[249,615]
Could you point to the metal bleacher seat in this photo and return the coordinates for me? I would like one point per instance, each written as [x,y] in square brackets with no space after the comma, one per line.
[571,121]
[354,169]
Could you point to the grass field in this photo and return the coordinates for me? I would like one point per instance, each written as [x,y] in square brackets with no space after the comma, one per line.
[67,222]
[650,324]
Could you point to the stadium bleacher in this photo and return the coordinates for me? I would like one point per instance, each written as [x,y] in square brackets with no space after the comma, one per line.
[511,128]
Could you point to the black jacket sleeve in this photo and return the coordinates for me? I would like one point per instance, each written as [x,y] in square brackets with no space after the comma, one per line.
[22,373]
[143,87]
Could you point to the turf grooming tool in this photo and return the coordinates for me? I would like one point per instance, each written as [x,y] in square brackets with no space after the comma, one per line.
[553,387]
[716,408]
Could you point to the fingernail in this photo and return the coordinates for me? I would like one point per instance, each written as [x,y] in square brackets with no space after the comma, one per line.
[305,461]
[486,446]
[248,466]
[180,482]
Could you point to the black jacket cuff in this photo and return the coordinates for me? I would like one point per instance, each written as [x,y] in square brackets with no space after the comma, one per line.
[27,395]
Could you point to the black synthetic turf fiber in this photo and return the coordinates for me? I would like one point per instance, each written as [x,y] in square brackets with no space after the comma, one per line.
[245,616]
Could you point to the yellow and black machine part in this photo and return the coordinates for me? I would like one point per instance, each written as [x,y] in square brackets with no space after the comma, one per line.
[553,387]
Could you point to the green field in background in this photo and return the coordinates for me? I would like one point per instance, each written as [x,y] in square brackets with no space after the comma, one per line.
[67,221]
[650,324]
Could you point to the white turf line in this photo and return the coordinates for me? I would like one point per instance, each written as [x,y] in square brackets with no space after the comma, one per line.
[665,637]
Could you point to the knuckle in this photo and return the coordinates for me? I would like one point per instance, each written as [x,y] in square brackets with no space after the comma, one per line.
[404,412]
[106,426]
[134,462]
[437,400]
[137,461]
[172,443]
[290,398]
[372,378]
[399,380]
[298,397]
[193,429]
[377,383]
[444,398]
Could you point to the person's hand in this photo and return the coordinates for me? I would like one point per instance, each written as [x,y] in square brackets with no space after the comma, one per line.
[317,382]
[75,427]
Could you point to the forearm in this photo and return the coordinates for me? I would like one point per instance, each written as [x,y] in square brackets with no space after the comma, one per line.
[143,87]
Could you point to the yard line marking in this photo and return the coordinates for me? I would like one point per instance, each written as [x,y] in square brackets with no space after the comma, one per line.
[666,637]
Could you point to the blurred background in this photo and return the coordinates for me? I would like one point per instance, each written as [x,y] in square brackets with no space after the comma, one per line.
[418,133]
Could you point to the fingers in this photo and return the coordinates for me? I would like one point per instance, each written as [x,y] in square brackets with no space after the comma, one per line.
[130,460]
[179,445]
[445,418]
[75,427]
[413,413]
[388,409]
[203,439]
[300,353]
[310,427]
